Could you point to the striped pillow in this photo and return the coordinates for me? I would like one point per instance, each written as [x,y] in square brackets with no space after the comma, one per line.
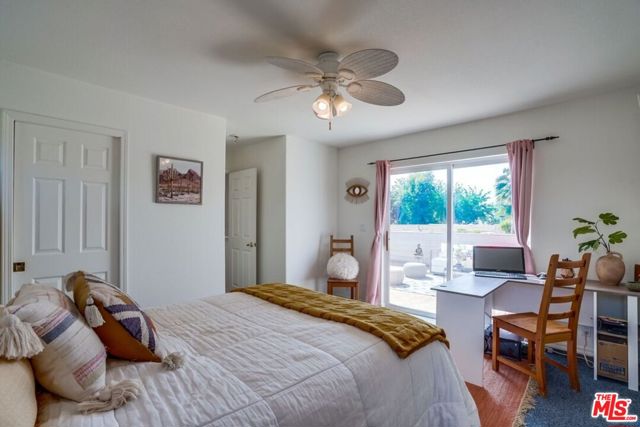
[30,292]
[73,362]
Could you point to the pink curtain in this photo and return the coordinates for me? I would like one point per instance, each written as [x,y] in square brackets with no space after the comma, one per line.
[374,274]
[521,163]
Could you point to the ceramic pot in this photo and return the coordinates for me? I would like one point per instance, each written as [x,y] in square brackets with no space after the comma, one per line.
[610,268]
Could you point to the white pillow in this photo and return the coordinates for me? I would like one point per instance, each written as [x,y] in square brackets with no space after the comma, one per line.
[17,394]
[343,266]
[72,363]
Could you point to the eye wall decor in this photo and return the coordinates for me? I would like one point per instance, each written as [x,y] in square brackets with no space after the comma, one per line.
[357,189]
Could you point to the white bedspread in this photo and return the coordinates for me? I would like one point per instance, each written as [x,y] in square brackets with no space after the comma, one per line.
[253,363]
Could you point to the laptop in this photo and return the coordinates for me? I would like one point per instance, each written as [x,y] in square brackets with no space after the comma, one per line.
[499,261]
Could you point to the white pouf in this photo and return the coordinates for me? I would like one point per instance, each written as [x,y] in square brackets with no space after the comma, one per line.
[343,266]
[415,270]
[396,276]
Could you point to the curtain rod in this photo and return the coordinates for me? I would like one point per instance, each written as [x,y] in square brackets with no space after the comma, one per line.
[548,138]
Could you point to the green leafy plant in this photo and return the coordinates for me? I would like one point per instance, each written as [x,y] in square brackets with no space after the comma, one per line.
[591,227]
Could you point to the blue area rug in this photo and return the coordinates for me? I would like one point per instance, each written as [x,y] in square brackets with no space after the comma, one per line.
[564,407]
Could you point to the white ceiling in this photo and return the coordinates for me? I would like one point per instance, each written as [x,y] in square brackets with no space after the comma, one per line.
[460,60]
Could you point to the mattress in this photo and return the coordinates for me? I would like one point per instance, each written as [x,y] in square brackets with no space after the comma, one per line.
[253,363]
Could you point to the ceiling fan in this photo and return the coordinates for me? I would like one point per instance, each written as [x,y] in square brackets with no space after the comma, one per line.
[353,73]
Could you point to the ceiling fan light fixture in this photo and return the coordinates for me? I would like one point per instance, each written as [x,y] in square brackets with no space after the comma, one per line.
[322,106]
[324,116]
[342,106]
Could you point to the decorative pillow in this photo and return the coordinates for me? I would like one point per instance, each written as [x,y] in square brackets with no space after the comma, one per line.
[68,358]
[17,394]
[76,374]
[343,266]
[126,331]
[40,292]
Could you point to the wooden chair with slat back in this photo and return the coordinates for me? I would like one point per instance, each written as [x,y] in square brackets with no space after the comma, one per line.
[547,327]
[346,246]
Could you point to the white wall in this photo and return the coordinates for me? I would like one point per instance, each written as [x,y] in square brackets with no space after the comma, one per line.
[268,156]
[176,253]
[593,167]
[311,210]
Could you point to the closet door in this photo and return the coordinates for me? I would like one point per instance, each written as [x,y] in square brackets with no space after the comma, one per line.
[66,204]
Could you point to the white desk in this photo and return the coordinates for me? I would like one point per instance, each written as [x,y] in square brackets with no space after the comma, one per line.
[461,305]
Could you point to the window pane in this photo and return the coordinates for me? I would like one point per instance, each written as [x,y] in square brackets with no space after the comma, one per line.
[482,212]
[418,239]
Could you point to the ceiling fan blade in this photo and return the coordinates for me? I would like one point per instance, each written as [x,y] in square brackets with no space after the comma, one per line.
[369,63]
[282,93]
[295,65]
[375,92]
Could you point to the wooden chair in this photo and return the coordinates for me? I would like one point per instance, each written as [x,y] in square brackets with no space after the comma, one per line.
[342,245]
[545,328]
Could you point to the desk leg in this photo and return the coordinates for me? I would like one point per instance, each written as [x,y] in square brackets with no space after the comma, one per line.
[462,318]
[595,336]
[632,341]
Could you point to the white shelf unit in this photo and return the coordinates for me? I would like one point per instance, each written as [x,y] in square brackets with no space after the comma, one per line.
[632,329]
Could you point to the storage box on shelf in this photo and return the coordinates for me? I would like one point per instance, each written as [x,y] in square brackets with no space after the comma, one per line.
[613,348]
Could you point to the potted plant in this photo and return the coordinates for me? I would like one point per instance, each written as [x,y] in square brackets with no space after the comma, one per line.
[610,267]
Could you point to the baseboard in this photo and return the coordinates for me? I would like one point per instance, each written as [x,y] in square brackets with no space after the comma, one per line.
[563,347]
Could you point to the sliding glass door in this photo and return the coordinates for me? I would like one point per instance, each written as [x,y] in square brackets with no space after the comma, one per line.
[437,213]
[418,235]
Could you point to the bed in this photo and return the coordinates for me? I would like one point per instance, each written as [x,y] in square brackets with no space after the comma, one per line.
[253,363]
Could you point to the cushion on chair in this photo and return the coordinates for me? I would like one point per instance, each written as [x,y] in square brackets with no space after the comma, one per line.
[17,394]
[343,266]
[126,331]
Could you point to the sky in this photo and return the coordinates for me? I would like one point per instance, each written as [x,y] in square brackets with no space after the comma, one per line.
[483,177]
[180,165]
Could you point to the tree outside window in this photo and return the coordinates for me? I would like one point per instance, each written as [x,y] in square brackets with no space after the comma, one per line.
[418,198]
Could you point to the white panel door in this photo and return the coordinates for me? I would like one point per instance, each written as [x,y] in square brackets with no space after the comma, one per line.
[66,204]
[243,193]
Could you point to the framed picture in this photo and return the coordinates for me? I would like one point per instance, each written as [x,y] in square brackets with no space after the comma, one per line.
[178,181]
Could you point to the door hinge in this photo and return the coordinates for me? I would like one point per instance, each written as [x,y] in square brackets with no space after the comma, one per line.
[19,267]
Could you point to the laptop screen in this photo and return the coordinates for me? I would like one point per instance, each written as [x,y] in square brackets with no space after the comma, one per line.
[494,258]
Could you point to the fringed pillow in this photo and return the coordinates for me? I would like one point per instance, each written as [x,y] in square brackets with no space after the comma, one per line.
[68,358]
[40,292]
[125,330]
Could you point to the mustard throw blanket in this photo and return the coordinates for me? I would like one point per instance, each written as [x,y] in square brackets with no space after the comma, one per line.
[404,333]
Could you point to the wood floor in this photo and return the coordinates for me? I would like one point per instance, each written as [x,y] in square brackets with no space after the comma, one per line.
[500,398]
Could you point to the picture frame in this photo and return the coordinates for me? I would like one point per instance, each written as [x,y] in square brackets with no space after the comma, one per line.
[178,180]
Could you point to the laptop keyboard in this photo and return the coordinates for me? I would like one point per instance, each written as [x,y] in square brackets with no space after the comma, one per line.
[501,275]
